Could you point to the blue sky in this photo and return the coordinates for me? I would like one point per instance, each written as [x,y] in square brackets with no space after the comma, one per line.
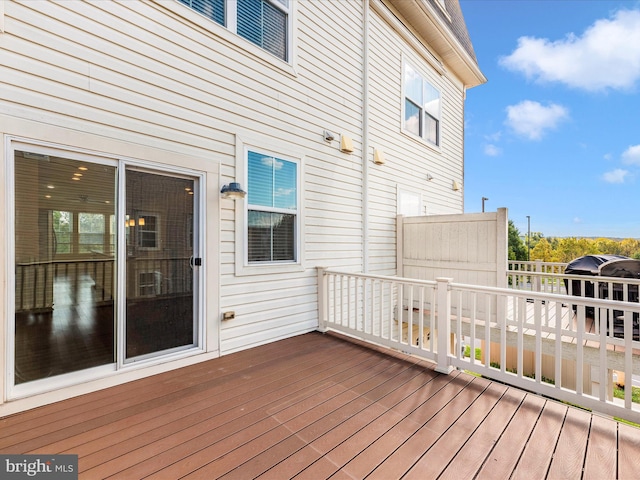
[555,132]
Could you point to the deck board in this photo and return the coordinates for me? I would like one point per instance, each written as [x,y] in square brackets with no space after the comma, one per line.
[569,454]
[318,406]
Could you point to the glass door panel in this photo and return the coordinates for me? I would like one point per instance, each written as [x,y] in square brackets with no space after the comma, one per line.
[159,224]
[64,266]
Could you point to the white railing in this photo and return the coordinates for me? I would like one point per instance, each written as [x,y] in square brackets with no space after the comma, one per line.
[590,286]
[569,348]
[536,266]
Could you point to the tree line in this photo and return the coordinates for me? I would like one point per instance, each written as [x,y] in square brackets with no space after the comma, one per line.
[565,249]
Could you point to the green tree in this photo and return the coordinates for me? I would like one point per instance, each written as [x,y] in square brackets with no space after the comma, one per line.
[542,251]
[571,247]
[630,247]
[517,248]
[607,246]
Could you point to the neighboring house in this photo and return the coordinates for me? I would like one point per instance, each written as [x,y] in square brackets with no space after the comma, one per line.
[122,121]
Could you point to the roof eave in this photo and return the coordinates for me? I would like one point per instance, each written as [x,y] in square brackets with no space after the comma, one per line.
[438,36]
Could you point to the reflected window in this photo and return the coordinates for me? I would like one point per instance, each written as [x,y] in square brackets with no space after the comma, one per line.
[147,225]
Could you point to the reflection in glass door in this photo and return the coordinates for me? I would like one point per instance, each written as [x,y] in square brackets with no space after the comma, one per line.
[64,265]
[160,264]
[105,272]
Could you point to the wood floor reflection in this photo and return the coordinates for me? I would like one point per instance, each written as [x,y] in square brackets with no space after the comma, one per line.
[76,333]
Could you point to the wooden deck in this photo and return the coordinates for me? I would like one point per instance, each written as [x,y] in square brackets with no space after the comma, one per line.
[317,406]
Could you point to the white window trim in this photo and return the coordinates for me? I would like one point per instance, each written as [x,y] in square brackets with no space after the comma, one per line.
[157,231]
[242,265]
[402,190]
[228,31]
[436,147]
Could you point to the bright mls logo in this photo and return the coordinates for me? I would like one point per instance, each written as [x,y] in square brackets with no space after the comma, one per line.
[50,467]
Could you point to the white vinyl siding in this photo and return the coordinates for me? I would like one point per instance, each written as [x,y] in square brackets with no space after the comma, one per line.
[159,75]
[409,159]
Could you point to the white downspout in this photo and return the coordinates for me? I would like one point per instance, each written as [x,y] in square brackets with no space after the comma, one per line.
[365,138]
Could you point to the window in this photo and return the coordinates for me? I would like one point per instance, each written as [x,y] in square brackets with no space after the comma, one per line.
[421,106]
[272,209]
[409,203]
[91,229]
[147,230]
[266,23]
[213,9]
[63,231]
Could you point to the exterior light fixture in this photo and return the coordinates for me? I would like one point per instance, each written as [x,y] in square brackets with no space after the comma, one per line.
[346,144]
[328,136]
[378,157]
[455,186]
[233,191]
[429,177]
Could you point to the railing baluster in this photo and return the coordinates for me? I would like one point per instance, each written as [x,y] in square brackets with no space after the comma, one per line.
[539,323]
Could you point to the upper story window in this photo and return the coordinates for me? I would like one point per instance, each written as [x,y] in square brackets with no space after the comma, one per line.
[266,23]
[272,209]
[421,106]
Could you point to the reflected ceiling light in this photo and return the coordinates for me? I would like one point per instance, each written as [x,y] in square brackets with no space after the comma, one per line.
[50,186]
[77,174]
[75,178]
[47,196]
[83,168]
[233,191]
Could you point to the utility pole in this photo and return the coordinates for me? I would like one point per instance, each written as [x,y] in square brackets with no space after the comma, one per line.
[528,238]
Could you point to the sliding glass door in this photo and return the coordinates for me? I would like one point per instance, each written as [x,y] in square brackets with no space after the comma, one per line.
[160,262]
[64,265]
[106,265]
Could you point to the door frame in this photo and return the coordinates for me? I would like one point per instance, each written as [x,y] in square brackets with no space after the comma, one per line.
[146,157]
[198,280]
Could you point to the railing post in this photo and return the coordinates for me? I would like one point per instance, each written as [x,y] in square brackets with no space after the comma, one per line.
[444,325]
[537,278]
[322,299]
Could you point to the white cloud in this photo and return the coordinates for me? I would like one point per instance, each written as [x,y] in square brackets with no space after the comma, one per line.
[282,192]
[577,220]
[605,56]
[608,157]
[493,137]
[532,119]
[615,176]
[492,150]
[631,156]
[272,162]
